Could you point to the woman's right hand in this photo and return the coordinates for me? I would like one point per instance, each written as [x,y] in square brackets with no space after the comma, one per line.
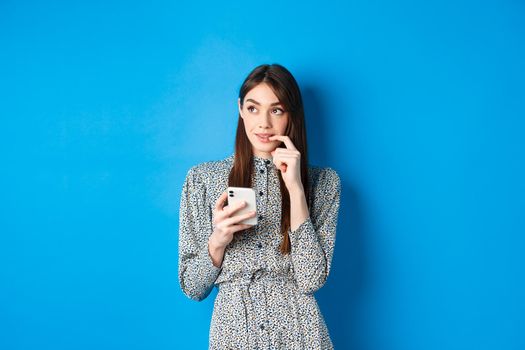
[224,224]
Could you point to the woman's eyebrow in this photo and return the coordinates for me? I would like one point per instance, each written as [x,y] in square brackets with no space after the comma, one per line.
[257,103]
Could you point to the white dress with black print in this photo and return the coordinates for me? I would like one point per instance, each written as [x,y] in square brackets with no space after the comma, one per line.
[265,299]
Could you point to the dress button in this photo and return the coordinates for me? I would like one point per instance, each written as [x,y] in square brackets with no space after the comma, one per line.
[260,217]
[262,171]
[261,193]
[267,161]
[259,245]
[262,327]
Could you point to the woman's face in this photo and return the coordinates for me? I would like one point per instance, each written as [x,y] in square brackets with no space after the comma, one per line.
[263,116]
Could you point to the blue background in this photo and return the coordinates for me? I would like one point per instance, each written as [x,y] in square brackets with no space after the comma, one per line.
[419,106]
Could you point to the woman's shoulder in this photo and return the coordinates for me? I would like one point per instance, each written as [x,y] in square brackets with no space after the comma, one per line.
[324,177]
[212,167]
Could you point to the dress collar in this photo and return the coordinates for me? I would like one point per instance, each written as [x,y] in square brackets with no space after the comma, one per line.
[258,161]
[262,161]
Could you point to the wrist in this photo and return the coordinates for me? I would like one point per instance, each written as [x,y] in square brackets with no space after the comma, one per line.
[296,190]
[215,252]
[214,246]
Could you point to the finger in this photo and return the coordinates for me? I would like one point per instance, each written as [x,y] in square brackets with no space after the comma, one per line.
[240,227]
[287,156]
[238,218]
[283,152]
[231,209]
[221,208]
[277,161]
[219,205]
[281,163]
[219,215]
[285,139]
[228,210]
[285,159]
[286,151]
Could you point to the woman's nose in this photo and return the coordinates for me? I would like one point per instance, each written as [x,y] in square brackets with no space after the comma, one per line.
[265,121]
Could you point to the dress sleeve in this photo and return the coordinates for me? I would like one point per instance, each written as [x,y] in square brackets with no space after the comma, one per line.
[312,243]
[197,273]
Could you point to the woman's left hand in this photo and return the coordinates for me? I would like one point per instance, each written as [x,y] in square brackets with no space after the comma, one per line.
[288,161]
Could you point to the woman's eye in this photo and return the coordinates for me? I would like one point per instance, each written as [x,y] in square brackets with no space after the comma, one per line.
[278,111]
[250,108]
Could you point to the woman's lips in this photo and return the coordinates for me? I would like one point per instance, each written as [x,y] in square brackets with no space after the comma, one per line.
[264,137]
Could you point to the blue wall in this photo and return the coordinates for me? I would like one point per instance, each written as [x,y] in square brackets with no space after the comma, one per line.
[418,105]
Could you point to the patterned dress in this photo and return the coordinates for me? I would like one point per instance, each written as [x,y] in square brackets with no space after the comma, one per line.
[265,299]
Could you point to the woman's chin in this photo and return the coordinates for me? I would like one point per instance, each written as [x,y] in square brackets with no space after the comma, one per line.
[266,148]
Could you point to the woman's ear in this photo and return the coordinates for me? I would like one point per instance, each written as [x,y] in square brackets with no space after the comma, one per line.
[239,106]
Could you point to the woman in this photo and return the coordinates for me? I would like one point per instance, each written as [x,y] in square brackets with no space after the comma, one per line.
[266,273]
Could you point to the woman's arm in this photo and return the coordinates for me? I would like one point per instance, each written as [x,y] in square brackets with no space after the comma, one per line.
[216,252]
[197,272]
[312,237]
[312,234]
[298,207]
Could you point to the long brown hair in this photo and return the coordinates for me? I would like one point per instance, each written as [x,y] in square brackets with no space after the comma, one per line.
[286,89]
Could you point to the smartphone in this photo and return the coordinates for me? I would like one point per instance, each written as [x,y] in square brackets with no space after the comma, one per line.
[238,194]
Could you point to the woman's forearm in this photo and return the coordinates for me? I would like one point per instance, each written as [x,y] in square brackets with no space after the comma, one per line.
[216,252]
[298,207]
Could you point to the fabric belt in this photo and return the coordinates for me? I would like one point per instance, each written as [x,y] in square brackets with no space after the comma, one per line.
[253,290]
